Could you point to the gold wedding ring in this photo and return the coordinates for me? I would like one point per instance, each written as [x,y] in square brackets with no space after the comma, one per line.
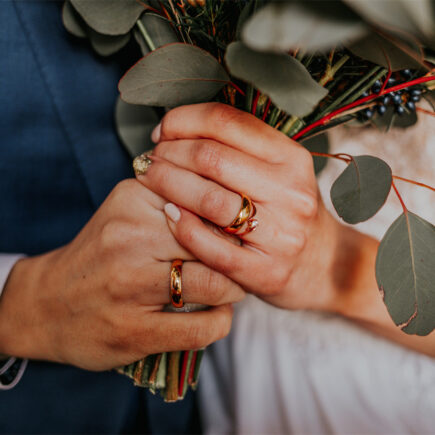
[244,219]
[176,293]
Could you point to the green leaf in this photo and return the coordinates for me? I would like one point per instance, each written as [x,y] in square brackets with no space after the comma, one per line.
[280,76]
[380,49]
[390,119]
[361,189]
[405,272]
[106,45]
[110,17]
[410,17]
[134,125]
[159,30]
[319,144]
[305,25]
[173,75]
[72,21]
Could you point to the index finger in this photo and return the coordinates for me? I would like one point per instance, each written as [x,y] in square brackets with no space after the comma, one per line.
[227,125]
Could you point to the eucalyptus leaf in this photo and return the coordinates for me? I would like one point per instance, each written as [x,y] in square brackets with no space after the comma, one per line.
[159,29]
[106,45]
[173,75]
[110,17]
[134,125]
[318,144]
[361,189]
[412,17]
[405,272]
[302,25]
[280,76]
[72,21]
[387,50]
[390,119]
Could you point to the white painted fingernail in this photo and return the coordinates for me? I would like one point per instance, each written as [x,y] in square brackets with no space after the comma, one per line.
[172,212]
[155,135]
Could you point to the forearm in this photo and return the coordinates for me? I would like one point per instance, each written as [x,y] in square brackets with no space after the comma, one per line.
[357,296]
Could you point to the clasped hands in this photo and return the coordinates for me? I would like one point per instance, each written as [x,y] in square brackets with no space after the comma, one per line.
[96,302]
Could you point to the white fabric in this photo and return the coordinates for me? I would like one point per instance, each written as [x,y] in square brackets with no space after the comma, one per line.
[310,373]
[7,262]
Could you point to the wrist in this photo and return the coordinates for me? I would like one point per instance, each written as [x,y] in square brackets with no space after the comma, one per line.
[21,325]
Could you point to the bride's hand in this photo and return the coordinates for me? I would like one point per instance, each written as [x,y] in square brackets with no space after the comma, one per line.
[209,153]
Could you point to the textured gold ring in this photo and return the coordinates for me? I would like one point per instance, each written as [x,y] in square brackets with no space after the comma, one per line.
[176,293]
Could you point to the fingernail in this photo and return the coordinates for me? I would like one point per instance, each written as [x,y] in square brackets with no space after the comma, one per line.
[142,163]
[155,135]
[172,212]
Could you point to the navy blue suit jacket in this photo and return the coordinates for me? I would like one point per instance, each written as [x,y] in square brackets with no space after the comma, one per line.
[59,158]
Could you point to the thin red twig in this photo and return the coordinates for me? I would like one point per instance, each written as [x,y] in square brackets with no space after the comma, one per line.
[266,109]
[405,210]
[236,88]
[428,112]
[417,183]
[363,100]
[346,159]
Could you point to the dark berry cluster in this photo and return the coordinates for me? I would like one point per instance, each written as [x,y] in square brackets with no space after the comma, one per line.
[402,100]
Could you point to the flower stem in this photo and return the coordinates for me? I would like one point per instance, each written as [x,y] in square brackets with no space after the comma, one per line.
[145,35]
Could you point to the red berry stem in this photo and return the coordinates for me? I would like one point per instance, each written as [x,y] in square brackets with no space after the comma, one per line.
[363,100]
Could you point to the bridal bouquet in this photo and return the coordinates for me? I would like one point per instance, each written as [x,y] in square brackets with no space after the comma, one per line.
[303,67]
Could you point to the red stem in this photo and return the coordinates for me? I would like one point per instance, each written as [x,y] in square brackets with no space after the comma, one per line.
[405,210]
[363,100]
[255,102]
[414,182]
[266,110]
[183,373]
[428,112]
[236,88]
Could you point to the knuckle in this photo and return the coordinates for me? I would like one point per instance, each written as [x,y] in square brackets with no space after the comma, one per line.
[223,114]
[197,336]
[224,325]
[309,204]
[212,203]
[207,157]
[299,241]
[225,263]
[109,236]
[278,279]
[213,286]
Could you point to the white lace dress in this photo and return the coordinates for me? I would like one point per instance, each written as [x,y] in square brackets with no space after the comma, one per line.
[309,373]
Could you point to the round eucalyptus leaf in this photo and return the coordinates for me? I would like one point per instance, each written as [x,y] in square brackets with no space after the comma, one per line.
[387,50]
[72,21]
[361,189]
[106,45]
[159,29]
[318,144]
[173,75]
[301,25]
[134,125]
[280,76]
[110,17]
[405,272]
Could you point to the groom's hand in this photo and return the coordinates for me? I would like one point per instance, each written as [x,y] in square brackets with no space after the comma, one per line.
[96,303]
[209,153]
